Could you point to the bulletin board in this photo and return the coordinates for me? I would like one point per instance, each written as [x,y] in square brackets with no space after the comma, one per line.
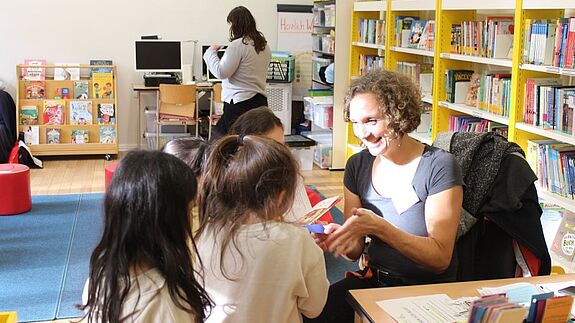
[295,27]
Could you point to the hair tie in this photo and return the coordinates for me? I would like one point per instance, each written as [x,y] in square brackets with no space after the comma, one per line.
[241,139]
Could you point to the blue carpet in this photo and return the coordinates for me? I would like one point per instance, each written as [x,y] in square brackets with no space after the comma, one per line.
[336,267]
[44,255]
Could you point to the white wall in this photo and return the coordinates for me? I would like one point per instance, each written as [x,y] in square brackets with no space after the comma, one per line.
[77,31]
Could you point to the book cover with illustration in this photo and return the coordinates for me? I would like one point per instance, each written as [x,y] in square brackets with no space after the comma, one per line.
[106,113]
[415,33]
[32,72]
[318,210]
[102,85]
[52,136]
[32,135]
[79,137]
[107,135]
[35,90]
[105,63]
[81,90]
[80,112]
[54,112]
[67,71]
[564,242]
[29,115]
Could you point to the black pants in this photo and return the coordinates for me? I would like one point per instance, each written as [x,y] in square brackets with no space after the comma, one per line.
[233,110]
[337,309]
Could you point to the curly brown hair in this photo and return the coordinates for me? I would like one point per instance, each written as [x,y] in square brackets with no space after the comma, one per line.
[398,97]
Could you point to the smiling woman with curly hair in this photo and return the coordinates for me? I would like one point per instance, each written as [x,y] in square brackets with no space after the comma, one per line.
[404,195]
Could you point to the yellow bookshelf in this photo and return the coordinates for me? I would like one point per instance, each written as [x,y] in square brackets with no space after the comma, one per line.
[448,12]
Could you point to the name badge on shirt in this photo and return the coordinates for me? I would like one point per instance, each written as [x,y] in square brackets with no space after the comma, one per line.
[404,198]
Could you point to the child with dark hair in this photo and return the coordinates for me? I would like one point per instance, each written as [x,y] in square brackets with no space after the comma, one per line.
[257,267]
[192,150]
[262,121]
[142,269]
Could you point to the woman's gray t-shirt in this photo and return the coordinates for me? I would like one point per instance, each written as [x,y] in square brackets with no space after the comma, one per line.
[437,171]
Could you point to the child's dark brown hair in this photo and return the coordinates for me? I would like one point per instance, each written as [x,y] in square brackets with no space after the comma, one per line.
[246,179]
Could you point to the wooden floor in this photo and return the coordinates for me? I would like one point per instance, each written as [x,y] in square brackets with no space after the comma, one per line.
[86,175]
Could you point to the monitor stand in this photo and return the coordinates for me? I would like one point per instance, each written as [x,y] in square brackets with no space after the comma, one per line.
[155,79]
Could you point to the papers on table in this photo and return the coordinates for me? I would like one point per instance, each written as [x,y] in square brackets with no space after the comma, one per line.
[438,308]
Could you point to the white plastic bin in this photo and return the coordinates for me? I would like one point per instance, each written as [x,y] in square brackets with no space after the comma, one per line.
[323,149]
[321,110]
[303,149]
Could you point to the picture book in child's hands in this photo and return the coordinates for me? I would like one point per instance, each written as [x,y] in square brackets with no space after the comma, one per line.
[318,210]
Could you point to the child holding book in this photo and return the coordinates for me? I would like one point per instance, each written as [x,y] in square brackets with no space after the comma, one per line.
[257,267]
[262,121]
[142,269]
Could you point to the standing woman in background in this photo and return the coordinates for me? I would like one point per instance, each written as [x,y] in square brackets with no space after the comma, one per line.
[242,69]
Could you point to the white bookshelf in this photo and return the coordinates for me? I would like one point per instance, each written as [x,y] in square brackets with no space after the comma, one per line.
[479,4]
[477,59]
[368,45]
[473,111]
[414,51]
[427,99]
[549,133]
[412,5]
[548,69]
[370,6]
[424,138]
[556,199]
[548,4]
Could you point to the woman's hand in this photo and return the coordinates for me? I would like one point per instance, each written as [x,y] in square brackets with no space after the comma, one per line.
[348,240]
[215,47]
[320,238]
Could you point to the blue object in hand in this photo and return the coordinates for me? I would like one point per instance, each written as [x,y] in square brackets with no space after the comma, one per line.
[316,228]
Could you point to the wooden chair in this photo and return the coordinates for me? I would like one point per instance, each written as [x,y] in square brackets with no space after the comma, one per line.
[177,106]
[216,99]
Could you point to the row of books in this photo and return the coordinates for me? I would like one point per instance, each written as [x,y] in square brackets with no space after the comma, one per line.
[80,113]
[77,136]
[550,42]
[554,165]
[369,62]
[543,307]
[412,32]
[371,31]
[102,88]
[550,104]
[421,74]
[487,90]
[491,38]
[36,69]
[474,124]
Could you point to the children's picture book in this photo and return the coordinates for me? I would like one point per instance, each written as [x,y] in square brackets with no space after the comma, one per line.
[54,111]
[67,71]
[33,73]
[65,93]
[107,135]
[106,113]
[105,63]
[318,210]
[32,135]
[415,33]
[81,90]
[80,112]
[564,242]
[52,136]
[34,90]
[29,115]
[473,90]
[102,85]
[79,136]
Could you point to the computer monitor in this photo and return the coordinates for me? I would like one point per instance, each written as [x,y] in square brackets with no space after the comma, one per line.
[154,55]
[205,71]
